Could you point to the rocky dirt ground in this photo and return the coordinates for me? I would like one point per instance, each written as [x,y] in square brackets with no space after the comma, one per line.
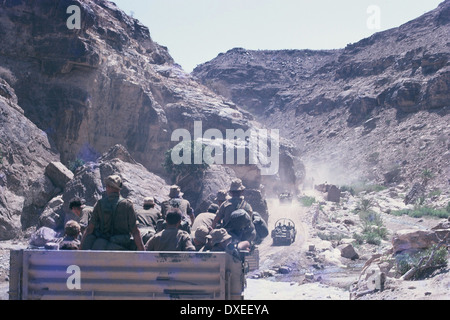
[296,273]
[324,274]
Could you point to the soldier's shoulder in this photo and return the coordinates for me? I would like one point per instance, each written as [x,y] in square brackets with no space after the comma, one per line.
[126,202]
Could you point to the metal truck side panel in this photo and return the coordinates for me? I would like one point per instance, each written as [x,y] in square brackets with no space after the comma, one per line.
[96,275]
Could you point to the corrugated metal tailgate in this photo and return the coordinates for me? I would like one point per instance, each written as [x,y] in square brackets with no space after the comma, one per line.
[125,275]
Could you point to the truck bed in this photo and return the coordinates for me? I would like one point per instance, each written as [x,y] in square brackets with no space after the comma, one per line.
[108,275]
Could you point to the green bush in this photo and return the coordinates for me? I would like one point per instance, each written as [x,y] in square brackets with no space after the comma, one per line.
[420,212]
[307,201]
[365,205]
[435,192]
[347,188]
[331,236]
[75,164]
[183,169]
[362,186]
[407,261]
[373,228]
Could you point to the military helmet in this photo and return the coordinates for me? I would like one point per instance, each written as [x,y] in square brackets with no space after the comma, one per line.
[239,219]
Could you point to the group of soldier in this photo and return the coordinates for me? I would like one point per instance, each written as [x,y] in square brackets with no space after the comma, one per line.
[114,223]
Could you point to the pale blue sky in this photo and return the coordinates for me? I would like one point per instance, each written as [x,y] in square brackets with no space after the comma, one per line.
[196,31]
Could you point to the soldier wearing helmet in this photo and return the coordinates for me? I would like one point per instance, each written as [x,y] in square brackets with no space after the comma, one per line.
[236,202]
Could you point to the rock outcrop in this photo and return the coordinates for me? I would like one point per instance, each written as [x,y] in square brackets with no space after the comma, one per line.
[87,184]
[68,95]
[383,271]
[107,83]
[25,152]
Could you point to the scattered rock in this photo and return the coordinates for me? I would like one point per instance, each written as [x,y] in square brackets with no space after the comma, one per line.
[411,239]
[58,174]
[347,251]
[284,270]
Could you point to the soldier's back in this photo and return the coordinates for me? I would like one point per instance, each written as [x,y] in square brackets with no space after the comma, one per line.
[170,239]
[231,205]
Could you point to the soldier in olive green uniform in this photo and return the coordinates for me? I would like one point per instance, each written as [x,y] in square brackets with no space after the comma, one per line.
[113,222]
[221,197]
[236,202]
[171,238]
[147,218]
[79,213]
[176,201]
[71,240]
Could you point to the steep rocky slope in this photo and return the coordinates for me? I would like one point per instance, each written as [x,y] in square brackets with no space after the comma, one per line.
[83,91]
[103,84]
[25,152]
[377,110]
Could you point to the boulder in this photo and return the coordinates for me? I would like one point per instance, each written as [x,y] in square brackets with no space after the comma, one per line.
[334,194]
[138,182]
[58,174]
[87,183]
[412,239]
[202,192]
[49,217]
[284,270]
[347,251]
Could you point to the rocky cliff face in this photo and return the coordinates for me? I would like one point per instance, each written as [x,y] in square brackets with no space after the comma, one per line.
[72,94]
[106,83]
[376,109]
[25,152]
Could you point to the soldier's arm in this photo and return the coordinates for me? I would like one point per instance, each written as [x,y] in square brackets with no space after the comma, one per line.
[219,216]
[137,239]
[91,224]
[150,245]
[88,231]
[215,221]
[189,246]
[132,221]
[192,217]
[190,213]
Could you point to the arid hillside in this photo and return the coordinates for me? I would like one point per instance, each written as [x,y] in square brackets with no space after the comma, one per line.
[376,110]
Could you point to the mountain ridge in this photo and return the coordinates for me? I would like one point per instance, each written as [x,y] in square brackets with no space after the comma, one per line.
[335,105]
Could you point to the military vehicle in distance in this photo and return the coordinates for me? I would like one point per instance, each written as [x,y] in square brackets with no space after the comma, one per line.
[284,232]
[285,197]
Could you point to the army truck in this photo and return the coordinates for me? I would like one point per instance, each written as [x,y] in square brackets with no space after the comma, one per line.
[285,197]
[108,275]
[284,232]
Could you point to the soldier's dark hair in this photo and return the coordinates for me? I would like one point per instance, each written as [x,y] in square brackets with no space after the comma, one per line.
[173,216]
[75,203]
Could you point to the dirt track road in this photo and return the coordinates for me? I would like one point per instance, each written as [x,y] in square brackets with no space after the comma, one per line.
[284,255]
[289,286]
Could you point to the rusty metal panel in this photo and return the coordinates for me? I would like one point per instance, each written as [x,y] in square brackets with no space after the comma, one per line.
[15,274]
[134,275]
[253,260]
